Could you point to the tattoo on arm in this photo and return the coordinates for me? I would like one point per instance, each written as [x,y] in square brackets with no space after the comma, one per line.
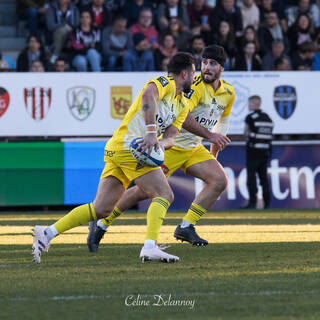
[145,107]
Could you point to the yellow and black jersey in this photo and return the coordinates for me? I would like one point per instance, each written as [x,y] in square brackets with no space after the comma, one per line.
[207,106]
[171,109]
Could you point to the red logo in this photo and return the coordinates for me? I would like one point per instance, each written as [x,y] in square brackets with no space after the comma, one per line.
[4,101]
[37,101]
[165,169]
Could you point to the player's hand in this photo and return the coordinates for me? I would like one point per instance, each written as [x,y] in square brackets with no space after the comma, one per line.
[148,142]
[219,140]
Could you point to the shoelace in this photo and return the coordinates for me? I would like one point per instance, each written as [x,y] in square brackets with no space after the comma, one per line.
[164,246]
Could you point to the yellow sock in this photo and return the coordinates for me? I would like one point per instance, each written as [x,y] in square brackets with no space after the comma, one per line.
[113,216]
[194,213]
[76,217]
[155,215]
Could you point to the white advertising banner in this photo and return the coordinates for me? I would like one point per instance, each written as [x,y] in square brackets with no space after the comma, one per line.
[93,104]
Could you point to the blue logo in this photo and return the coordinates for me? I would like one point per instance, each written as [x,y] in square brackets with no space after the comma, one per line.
[241,101]
[285,100]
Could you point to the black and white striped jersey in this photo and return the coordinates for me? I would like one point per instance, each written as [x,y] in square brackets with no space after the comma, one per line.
[260,131]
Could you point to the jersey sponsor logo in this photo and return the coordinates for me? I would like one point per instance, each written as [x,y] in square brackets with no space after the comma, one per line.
[163,81]
[121,99]
[4,101]
[206,122]
[109,153]
[81,101]
[285,100]
[164,168]
[189,94]
[37,101]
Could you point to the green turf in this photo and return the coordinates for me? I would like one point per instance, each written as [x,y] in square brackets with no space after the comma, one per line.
[225,281]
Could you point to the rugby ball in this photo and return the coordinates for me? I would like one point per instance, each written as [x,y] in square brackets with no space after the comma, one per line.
[155,159]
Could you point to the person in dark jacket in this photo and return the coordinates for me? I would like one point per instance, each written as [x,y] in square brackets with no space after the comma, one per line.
[100,13]
[61,17]
[248,60]
[33,52]
[258,131]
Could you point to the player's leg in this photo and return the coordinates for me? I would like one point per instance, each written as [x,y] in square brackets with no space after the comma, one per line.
[109,191]
[262,171]
[252,182]
[174,159]
[212,174]
[156,186]
[97,229]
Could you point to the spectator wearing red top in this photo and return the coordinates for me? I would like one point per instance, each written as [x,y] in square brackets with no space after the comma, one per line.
[86,43]
[199,13]
[100,13]
[145,26]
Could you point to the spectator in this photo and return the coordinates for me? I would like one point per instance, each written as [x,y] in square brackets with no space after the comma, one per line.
[249,60]
[316,58]
[268,6]
[249,35]
[33,11]
[86,44]
[145,26]
[227,11]
[100,13]
[133,8]
[138,58]
[164,65]
[34,51]
[250,13]
[300,31]
[226,38]
[167,49]
[303,58]
[60,65]
[116,40]
[197,45]
[282,64]
[270,32]
[199,12]
[182,38]
[277,51]
[304,7]
[61,17]
[172,9]
[37,66]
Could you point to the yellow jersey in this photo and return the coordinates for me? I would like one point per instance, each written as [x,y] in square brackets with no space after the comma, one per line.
[207,107]
[171,110]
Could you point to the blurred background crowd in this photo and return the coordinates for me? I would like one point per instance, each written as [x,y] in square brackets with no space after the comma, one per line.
[142,35]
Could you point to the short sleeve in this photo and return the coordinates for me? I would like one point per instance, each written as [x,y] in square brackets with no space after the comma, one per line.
[228,109]
[163,85]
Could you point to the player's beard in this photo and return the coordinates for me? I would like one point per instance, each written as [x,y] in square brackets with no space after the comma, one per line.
[214,77]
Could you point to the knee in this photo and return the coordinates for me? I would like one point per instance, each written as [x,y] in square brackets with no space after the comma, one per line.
[218,182]
[167,194]
[100,210]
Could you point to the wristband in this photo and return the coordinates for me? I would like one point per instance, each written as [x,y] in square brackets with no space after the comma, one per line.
[151,131]
[151,125]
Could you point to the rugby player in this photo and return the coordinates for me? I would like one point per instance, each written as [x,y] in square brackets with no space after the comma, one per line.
[210,104]
[160,108]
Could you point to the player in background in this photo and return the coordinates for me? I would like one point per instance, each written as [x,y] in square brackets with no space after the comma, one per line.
[210,104]
[160,108]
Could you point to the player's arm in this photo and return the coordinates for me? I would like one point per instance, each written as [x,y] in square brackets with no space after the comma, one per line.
[149,107]
[191,125]
[168,137]
[222,127]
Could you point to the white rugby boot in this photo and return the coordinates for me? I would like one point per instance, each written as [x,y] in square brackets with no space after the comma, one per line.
[156,253]
[40,243]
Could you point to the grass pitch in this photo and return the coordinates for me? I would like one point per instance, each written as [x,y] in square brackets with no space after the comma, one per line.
[258,265]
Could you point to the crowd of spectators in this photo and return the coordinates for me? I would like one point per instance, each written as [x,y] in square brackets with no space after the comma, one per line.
[142,35]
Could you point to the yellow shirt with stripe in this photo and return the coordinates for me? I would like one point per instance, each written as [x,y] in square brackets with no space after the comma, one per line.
[171,110]
[207,107]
